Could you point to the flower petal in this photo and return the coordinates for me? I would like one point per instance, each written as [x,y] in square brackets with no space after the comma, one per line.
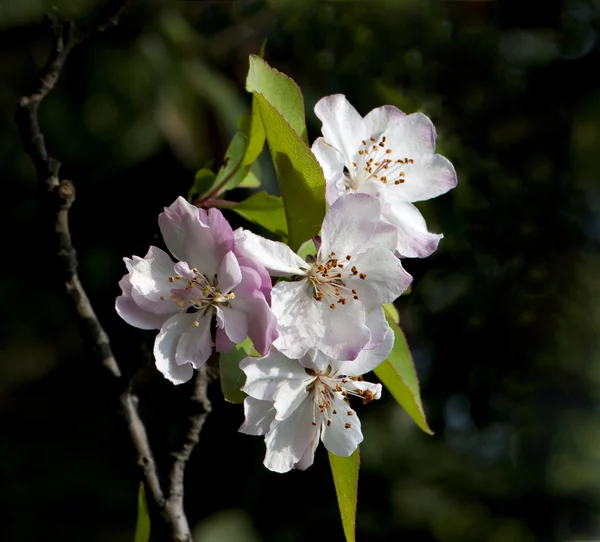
[229,274]
[308,457]
[346,332]
[300,318]
[264,375]
[332,163]
[165,347]
[192,235]
[385,278]
[411,135]
[195,345]
[379,119]
[134,315]
[344,433]
[233,322]
[430,176]
[259,273]
[260,319]
[369,359]
[414,241]
[342,127]
[276,257]
[288,440]
[258,416]
[149,278]
[290,394]
[354,223]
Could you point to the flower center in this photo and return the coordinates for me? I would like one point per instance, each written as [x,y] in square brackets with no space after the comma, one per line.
[329,280]
[377,161]
[197,293]
[323,389]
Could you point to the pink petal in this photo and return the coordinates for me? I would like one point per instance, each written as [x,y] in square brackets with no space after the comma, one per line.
[135,316]
[229,273]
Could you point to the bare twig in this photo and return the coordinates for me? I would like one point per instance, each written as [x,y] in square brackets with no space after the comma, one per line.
[60,196]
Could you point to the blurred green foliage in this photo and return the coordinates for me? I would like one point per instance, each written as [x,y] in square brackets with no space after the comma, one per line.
[503,321]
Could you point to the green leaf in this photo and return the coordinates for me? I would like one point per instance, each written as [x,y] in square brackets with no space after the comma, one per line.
[142,528]
[280,91]
[232,377]
[398,375]
[391,311]
[266,211]
[249,181]
[203,182]
[307,248]
[232,169]
[300,176]
[252,127]
[345,478]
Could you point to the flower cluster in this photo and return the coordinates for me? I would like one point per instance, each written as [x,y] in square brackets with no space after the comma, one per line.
[322,325]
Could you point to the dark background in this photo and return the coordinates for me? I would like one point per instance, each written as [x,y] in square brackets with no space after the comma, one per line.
[503,320]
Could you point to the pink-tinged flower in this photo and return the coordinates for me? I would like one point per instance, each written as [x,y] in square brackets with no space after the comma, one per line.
[334,300]
[180,298]
[294,403]
[390,155]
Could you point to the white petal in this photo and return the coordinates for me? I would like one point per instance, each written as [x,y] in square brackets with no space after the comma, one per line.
[290,394]
[165,347]
[300,318]
[346,332]
[258,416]
[279,259]
[414,241]
[369,359]
[378,326]
[195,345]
[430,176]
[344,434]
[264,375]
[150,280]
[380,119]
[318,361]
[288,440]
[410,136]
[385,278]
[332,163]
[342,127]
[308,457]
[353,224]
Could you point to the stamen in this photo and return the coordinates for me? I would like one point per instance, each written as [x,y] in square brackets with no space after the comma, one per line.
[348,425]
